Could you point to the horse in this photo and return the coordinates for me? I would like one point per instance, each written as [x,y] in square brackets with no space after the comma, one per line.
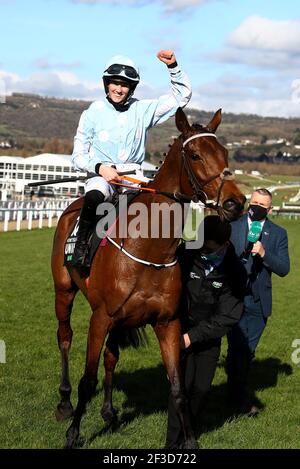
[134,282]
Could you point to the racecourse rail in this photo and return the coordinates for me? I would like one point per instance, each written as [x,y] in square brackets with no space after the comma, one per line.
[16,215]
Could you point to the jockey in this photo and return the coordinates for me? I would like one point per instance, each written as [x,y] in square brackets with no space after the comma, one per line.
[112,133]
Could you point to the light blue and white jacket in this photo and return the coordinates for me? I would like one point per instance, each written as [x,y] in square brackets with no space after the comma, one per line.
[105,135]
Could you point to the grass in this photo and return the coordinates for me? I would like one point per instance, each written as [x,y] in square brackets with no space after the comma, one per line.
[248,183]
[29,379]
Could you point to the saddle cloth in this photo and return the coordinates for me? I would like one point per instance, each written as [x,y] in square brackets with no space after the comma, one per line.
[100,229]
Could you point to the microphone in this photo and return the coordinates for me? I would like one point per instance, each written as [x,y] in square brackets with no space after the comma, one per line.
[253,236]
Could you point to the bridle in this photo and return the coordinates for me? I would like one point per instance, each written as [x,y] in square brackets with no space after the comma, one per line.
[198,193]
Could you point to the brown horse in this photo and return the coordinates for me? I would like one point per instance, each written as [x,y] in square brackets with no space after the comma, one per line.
[126,293]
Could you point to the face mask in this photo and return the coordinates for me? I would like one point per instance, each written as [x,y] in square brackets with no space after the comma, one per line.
[214,256]
[257,212]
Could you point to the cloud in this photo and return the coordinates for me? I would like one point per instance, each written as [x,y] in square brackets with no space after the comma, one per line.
[261,59]
[172,6]
[250,95]
[63,84]
[55,83]
[296,91]
[262,43]
[269,35]
[232,92]
[168,6]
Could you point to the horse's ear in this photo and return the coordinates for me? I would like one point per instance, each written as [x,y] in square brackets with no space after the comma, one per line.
[216,121]
[182,123]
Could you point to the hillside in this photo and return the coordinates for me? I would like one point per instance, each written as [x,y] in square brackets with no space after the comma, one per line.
[30,124]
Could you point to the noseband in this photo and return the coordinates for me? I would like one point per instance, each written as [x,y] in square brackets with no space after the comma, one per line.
[198,191]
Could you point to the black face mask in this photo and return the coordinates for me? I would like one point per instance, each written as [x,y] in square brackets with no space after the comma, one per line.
[257,212]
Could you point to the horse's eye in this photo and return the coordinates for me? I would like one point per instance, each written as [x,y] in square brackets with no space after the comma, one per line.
[227,173]
[195,157]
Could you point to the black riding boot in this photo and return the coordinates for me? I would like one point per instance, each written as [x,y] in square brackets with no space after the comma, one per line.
[81,243]
[87,217]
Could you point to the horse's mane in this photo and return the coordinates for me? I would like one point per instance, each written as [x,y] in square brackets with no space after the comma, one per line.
[201,128]
[197,127]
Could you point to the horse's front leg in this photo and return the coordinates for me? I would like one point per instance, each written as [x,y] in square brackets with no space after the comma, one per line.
[98,330]
[169,341]
[111,357]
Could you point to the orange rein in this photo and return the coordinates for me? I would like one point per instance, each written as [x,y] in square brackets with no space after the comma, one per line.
[136,181]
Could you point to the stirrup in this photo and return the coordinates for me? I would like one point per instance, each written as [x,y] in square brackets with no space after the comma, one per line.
[82,265]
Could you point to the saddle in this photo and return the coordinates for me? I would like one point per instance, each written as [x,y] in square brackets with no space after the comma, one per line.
[100,229]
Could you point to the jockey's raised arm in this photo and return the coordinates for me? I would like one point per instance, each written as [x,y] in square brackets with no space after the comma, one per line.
[114,130]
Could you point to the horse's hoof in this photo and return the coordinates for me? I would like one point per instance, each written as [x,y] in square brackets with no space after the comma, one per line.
[64,411]
[72,438]
[190,443]
[109,416]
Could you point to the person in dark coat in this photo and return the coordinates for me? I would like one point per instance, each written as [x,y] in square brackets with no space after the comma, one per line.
[214,282]
[269,254]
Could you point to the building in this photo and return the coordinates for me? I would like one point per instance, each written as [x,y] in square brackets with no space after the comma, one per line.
[17,172]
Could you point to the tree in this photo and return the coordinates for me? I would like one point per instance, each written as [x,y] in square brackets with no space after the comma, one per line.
[296,140]
[263,140]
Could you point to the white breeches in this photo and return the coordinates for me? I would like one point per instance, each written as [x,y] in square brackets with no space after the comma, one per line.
[98,183]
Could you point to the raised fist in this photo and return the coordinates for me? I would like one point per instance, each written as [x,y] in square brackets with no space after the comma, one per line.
[166,56]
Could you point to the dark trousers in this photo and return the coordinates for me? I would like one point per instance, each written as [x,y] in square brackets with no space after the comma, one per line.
[198,369]
[242,342]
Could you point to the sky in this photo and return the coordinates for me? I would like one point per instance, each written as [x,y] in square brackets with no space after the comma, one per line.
[241,55]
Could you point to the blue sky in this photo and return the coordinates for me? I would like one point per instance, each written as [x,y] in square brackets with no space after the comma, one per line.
[243,56]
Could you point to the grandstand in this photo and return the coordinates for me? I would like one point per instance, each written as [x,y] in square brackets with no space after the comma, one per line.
[17,172]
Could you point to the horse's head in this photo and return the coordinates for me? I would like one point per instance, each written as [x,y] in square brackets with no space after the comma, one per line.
[206,167]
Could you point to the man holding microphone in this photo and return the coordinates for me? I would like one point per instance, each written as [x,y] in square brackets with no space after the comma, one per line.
[263,247]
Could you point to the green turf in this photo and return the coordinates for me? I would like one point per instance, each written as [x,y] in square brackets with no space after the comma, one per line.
[29,379]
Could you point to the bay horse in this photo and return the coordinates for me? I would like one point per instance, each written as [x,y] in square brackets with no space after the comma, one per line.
[122,291]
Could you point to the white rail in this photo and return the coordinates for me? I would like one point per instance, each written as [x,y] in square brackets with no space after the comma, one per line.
[27,215]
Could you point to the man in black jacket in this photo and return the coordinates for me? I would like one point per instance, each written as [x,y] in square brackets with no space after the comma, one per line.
[214,282]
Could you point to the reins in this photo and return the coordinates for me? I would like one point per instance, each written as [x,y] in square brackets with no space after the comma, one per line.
[178,196]
[136,181]
[198,193]
[197,188]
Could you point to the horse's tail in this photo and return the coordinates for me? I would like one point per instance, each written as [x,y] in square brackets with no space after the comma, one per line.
[133,337]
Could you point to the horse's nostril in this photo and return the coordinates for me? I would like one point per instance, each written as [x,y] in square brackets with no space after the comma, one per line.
[231,204]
